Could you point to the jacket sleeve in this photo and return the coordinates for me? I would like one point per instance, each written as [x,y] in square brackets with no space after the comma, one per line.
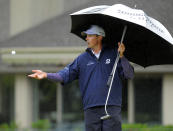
[70,72]
[54,77]
[126,70]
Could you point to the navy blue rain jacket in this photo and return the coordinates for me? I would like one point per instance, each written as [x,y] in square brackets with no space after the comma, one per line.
[93,74]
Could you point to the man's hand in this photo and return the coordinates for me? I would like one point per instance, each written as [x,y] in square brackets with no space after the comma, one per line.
[38,74]
[121,49]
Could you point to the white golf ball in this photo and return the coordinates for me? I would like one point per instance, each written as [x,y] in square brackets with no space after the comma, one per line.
[13,52]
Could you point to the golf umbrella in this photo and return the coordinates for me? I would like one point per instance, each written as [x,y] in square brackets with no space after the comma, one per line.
[147,41]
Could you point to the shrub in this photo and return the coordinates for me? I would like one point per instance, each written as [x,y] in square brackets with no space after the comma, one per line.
[8,127]
[41,124]
[145,127]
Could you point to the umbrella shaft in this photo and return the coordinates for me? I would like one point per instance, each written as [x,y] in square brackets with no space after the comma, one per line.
[111,76]
[124,32]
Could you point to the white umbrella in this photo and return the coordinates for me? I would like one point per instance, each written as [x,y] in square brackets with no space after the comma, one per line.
[143,32]
[128,14]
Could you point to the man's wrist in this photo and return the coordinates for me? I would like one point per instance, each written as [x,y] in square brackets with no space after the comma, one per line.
[45,75]
[121,55]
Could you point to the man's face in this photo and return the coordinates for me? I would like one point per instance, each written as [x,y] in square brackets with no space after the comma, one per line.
[92,40]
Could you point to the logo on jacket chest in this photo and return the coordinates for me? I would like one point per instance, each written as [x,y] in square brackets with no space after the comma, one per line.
[90,63]
[108,61]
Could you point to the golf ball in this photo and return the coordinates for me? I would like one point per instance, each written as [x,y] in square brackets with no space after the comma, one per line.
[13,52]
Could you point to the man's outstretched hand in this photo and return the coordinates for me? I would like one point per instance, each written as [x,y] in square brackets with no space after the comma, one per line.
[38,74]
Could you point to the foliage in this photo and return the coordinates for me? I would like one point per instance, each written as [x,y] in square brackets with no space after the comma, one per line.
[145,127]
[128,126]
[8,127]
[41,124]
[44,125]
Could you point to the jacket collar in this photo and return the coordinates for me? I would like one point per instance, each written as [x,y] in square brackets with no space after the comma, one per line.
[103,48]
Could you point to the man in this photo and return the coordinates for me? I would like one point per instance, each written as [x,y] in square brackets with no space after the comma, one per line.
[93,68]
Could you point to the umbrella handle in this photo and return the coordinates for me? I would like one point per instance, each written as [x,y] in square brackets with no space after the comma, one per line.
[111,76]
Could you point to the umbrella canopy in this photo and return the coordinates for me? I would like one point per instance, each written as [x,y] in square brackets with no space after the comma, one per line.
[147,41]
